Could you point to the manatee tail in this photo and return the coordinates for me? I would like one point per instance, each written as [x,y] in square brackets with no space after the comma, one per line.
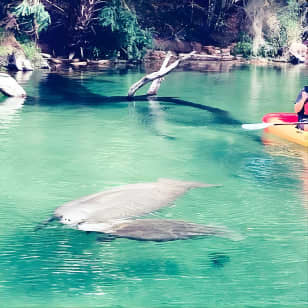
[224,233]
[187,183]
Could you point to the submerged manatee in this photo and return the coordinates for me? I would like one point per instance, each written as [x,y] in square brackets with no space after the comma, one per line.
[110,212]
[161,230]
[132,200]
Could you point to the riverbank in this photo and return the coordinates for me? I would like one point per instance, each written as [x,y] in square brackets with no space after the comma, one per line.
[14,55]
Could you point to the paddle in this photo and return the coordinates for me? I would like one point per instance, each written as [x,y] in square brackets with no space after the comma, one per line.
[265,125]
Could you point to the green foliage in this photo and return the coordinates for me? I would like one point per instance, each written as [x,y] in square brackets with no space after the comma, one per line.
[244,46]
[31,50]
[268,50]
[3,51]
[283,28]
[32,17]
[123,24]
[290,22]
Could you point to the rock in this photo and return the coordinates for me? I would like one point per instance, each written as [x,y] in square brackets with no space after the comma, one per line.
[44,64]
[99,62]
[18,61]
[10,87]
[298,50]
[55,60]
[45,55]
[173,45]
[76,64]
[15,62]
[209,49]
[280,60]
[72,60]
[27,66]
[196,46]
[205,57]
[225,51]
[227,58]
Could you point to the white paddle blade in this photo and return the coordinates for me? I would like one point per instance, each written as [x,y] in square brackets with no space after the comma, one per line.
[256,126]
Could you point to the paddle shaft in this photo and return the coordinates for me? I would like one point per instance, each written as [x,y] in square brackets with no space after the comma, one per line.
[265,125]
[293,123]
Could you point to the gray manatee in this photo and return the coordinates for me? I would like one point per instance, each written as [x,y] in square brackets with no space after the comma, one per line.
[161,230]
[123,202]
[110,212]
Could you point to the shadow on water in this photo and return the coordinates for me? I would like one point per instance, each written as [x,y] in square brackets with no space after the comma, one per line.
[58,90]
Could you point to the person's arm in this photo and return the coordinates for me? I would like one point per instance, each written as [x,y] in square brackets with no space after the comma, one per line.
[300,104]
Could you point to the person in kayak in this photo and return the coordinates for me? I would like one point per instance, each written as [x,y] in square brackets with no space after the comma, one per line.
[301,108]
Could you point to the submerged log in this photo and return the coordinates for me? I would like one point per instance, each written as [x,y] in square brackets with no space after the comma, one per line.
[155,75]
[10,87]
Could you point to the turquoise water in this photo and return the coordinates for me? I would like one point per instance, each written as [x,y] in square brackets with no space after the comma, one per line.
[76,134]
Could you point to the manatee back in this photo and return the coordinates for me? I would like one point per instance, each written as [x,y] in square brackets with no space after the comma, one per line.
[167,230]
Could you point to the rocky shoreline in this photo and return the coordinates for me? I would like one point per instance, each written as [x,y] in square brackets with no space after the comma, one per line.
[17,61]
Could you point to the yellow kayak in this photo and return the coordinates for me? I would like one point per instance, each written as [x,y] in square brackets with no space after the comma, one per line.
[289,132]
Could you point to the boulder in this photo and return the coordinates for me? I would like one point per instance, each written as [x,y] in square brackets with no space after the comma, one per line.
[210,50]
[196,46]
[298,50]
[99,62]
[45,55]
[55,60]
[18,61]
[27,66]
[179,46]
[10,87]
[44,64]
[77,64]
[205,57]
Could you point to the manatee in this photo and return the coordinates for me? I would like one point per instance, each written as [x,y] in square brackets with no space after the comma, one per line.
[110,212]
[162,230]
[123,202]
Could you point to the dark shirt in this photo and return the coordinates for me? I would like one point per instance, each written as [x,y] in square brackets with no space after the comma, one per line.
[301,115]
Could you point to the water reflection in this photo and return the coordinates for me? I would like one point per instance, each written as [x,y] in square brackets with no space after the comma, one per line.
[23,76]
[277,147]
[9,109]
[61,90]
[198,66]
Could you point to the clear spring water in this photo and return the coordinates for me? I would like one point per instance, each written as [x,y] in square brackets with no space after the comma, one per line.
[75,134]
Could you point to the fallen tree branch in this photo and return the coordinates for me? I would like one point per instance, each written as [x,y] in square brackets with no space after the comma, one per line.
[154,87]
[155,75]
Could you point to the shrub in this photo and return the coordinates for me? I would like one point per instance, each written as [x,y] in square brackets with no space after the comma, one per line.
[125,29]
[290,21]
[244,46]
[31,50]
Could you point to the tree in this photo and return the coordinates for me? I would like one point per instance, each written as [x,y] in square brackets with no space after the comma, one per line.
[130,38]
[31,17]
